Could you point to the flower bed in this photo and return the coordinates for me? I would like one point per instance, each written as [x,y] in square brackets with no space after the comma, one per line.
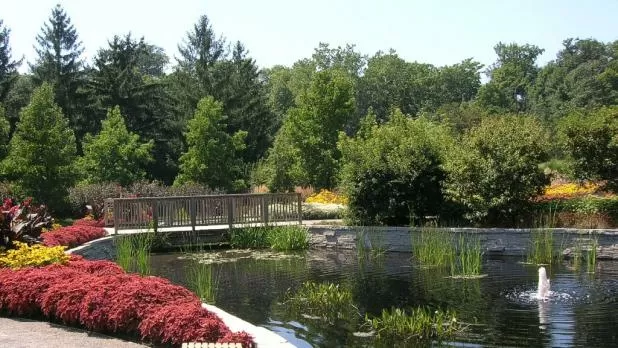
[100,296]
[73,236]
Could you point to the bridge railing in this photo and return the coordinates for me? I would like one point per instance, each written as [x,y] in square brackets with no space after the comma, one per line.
[192,211]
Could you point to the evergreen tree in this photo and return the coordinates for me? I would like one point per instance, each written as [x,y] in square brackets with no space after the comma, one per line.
[212,157]
[8,66]
[59,63]
[115,154]
[42,150]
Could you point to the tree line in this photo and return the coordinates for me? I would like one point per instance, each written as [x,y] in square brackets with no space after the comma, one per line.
[213,117]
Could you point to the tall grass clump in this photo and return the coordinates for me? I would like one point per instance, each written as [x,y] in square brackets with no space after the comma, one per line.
[287,238]
[420,324]
[542,247]
[133,252]
[469,257]
[283,238]
[434,247]
[591,255]
[370,243]
[203,281]
[328,301]
[250,237]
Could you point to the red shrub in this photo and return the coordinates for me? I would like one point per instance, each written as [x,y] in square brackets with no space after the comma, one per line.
[72,236]
[98,267]
[182,322]
[89,222]
[95,305]
[140,297]
[237,337]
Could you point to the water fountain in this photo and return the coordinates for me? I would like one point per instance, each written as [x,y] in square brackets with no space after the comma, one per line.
[543,288]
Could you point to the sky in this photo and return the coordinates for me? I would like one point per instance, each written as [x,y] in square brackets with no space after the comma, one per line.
[439,32]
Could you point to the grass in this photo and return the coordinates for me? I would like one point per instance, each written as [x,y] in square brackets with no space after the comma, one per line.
[370,243]
[591,256]
[419,324]
[133,252]
[542,250]
[328,301]
[469,258]
[203,281]
[282,238]
[434,247]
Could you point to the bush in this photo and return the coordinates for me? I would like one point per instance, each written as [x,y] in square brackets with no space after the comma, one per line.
[100,297]
[494,172]
[392,174]
[591,139]
[32,256]
[582,212]
[72,236]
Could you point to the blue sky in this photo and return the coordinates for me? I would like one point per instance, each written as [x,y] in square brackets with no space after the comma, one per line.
[280,32]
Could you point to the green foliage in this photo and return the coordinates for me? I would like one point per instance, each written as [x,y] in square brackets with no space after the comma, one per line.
[212,157]
[42,150]
[5,129]
[203,281]
[542,249]
[469,257]
[115,154]
[434,247]
[393,173]
[282,238]
[591,139]
[494,171]
[133,252]
[325,300]
[305,152]
[420,324]
[8,66]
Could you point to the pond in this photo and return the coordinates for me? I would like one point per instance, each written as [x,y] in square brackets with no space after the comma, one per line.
[499,308]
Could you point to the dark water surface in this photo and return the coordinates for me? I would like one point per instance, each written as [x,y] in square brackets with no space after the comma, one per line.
[583,311]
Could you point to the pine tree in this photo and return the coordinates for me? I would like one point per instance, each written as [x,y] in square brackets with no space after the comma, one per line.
[42,150]
[115,154]
[59,63]
[8,66]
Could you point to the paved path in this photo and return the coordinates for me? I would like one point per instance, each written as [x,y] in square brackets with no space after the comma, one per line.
[24,333]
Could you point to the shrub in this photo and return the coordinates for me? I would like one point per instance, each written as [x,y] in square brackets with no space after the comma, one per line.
[100,297]
[393,173]
[591,139]
[494,172]
[72,236]
[327,197]
[22,222]
[32,256]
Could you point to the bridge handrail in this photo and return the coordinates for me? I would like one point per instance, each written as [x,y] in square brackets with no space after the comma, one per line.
[202,210]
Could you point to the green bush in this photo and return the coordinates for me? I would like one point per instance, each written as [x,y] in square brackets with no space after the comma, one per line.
[591,139]
[494,172]
[393,173]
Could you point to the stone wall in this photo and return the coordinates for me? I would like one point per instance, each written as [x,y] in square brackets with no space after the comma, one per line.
[495,241]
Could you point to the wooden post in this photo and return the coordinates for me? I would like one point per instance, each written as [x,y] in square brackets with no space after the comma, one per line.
[230,211]
[265,199]
[116,215]
[192,213]
[300,209]
[155,215]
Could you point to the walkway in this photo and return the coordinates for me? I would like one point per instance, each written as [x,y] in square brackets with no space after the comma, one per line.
[25,333]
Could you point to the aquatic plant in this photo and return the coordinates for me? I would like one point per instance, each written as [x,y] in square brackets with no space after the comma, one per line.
[397,325]
[290,237]
[133,252]
[328,301]
[287,238]
[469,258]
[370,243]
[433,247]
[542,249]
[202,281]
[591,255]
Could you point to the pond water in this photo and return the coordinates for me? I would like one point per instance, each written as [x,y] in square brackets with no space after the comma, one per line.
[500,307]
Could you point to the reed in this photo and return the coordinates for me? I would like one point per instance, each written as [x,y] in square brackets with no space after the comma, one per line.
[591,255]
[133,252]
[203,281]
[434,247]
[249,237]
[420,324]
[469,257]
[370,243]
[542,249]
[288,238]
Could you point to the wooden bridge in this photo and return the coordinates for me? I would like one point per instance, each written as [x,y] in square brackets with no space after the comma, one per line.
[191,213]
